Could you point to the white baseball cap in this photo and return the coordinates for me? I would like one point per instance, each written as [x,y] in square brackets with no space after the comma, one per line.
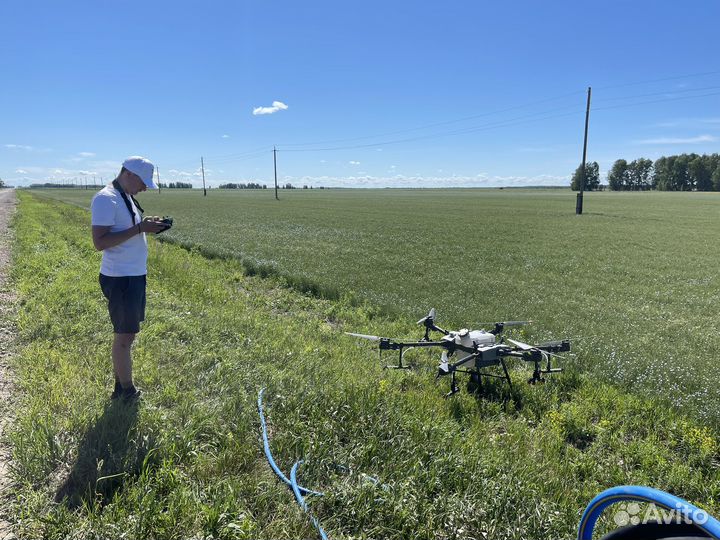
[143,168]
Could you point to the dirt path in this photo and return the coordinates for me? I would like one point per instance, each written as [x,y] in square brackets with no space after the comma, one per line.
[7,207]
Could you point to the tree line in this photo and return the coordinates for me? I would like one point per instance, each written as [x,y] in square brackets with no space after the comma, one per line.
[249,185]
[684,172]
[176,185]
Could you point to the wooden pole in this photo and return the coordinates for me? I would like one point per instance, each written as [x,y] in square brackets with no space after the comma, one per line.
[275,169]
[202,166]
[579,202]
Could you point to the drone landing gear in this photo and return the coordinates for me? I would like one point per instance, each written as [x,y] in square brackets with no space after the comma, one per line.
[400,360]
[475,385]
[539,372]
[453,386]
[537,375]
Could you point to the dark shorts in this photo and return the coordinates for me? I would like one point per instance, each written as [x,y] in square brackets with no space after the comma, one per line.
[126,302]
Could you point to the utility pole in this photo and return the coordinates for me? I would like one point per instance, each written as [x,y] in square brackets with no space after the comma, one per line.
[202,166]
[275,168]
[579,202]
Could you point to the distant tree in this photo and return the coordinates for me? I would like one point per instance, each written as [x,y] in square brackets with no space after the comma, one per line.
[713,165]
[679,174]
[716,178]
[618,175]
[592,177]
[2,183]
[640,174]
[700,174]
[662,168]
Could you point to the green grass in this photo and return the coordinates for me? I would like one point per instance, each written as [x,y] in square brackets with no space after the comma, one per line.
[634,281]
[187,462]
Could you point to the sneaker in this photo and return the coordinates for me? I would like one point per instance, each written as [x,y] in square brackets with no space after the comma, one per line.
[130,394]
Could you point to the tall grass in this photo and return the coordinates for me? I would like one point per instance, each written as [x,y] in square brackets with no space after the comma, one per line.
[634,280]
[187,461]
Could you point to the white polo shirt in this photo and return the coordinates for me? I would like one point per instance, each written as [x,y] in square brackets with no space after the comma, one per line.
[130,257]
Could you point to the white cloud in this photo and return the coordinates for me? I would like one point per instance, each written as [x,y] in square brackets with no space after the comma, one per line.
[276,106]
[679,140]
[21,171]
[86,154]
[226,136]
[19,147]
[354,162]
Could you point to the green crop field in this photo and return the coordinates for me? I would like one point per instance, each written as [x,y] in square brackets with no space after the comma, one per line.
[187,460]
[634,281]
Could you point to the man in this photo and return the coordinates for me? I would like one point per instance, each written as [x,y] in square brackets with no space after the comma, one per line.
[118,230]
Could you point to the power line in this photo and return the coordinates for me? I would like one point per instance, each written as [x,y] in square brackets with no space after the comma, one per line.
[446,122]
[482,127]
[654,101]
[637,83]
[504,123]
[665,92]
[467,118]
[257,151]
[248,157]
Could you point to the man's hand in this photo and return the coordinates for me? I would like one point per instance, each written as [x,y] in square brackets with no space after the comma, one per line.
[152,225]
[103,238]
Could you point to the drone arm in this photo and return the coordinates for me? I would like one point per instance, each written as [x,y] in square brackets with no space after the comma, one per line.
[438,329]
[387,344]
[461,362]
[555,346]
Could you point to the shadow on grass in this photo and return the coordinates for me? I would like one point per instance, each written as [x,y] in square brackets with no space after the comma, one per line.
[106,457]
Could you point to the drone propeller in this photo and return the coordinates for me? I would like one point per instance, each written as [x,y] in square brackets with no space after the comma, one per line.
[506,324]
[364,336]
[430,315]
[520,344]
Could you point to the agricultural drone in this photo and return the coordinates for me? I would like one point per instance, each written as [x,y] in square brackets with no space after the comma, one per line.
[475,350]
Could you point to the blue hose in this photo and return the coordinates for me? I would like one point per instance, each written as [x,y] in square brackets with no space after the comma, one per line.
[301,501]
[699,518]
[268,454]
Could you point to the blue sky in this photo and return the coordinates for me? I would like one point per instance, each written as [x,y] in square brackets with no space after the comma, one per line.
[371,93]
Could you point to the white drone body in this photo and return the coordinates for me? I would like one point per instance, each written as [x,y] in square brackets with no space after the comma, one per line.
[470,338]
[483,342]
